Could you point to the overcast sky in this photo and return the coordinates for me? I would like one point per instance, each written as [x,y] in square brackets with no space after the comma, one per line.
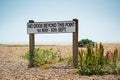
[99,20]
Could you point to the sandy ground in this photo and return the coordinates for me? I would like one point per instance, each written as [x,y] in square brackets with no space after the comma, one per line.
[14,67]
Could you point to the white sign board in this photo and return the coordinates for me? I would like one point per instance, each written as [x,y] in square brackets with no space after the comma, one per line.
[51,27]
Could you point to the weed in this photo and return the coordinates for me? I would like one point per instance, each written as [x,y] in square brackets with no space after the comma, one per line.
[94,62]
[43,57]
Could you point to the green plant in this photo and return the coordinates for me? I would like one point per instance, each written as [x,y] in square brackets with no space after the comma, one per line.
[85,42]
[93,61]
[42,57]
[118,54]
[26,55]
[69,61]
[112,58]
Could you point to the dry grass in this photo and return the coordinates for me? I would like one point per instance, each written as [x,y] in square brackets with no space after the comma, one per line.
[111,46]
[65,50]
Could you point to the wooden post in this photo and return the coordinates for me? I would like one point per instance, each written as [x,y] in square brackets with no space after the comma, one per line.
[31,47]
[75,45]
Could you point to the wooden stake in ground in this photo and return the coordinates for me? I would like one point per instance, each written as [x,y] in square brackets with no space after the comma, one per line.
[75,45]
[31,47]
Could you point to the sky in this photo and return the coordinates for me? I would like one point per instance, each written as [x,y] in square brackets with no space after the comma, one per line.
[99,20]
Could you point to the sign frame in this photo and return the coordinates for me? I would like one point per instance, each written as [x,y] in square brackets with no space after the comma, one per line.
[75,45]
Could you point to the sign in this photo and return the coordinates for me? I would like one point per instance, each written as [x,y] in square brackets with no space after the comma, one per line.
[51,27]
